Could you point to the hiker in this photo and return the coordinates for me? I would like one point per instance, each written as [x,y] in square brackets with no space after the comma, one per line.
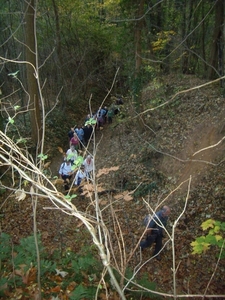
[100,117]
[80,134]
[155,230]
[109,115]
[66,173]
[75,141]
[87,118]
[71,154]
[119,101]
[88,129]
[100,120]
[88,166]
[71,133]
[80,175]
[104,115]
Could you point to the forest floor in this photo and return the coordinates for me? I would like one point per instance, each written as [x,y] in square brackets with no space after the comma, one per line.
[171,155]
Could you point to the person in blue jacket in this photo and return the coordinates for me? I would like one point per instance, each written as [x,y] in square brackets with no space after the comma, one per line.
[155,230]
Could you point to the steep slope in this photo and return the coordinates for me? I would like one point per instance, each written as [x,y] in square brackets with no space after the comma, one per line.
[176,153]
[155,152]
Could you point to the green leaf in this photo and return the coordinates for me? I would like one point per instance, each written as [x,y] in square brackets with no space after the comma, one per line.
[218,237]
[16,107]
[91,121]
[11,121]
[21,140]
[208,224]
[78,162]
[217,229]
[42,156]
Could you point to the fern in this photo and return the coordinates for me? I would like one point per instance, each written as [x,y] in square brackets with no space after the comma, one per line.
[26,251]
[47,266]
[5,246]
[82,292]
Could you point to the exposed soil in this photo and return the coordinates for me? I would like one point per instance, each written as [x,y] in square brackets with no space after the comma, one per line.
[157,150]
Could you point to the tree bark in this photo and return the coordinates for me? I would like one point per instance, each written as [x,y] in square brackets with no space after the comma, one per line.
[32,85]
[217,40]
[138,31]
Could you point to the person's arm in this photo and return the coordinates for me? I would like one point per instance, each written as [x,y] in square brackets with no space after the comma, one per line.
[76,178]
[151,227]
[61,171]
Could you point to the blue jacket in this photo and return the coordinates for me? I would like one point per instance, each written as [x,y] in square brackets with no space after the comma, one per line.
[158,222]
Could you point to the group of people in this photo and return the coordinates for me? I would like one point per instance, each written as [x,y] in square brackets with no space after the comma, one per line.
[79,137]
[66,171]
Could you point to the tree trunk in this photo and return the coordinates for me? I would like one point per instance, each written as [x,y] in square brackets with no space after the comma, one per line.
[217,40]
[138,30]
[32,85]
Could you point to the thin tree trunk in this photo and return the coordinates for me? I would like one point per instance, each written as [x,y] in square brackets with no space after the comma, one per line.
[138,31]
[216,39]
[32,74]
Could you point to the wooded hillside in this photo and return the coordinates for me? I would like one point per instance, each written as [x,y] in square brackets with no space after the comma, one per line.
[158,66]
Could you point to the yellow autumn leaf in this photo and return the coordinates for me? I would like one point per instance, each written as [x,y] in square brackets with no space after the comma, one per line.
[103,202]
[105,171]
[218,237]
[58,181]
[208,224]
[47,165]
[119,196]
[205,247]
[128,198]
[100,189]
[60,150]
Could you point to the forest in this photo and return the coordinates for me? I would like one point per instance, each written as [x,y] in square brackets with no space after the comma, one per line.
[59,62]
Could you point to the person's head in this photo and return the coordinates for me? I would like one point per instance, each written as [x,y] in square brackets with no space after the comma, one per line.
[68,161]
[72,148]
[165,211]
[89,158]
[82,167]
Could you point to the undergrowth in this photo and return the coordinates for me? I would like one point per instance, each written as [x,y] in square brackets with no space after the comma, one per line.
[77,275]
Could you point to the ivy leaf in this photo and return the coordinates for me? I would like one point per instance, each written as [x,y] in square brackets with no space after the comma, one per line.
[208,224]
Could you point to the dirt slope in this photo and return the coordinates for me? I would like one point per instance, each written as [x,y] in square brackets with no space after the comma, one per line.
[155,153]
